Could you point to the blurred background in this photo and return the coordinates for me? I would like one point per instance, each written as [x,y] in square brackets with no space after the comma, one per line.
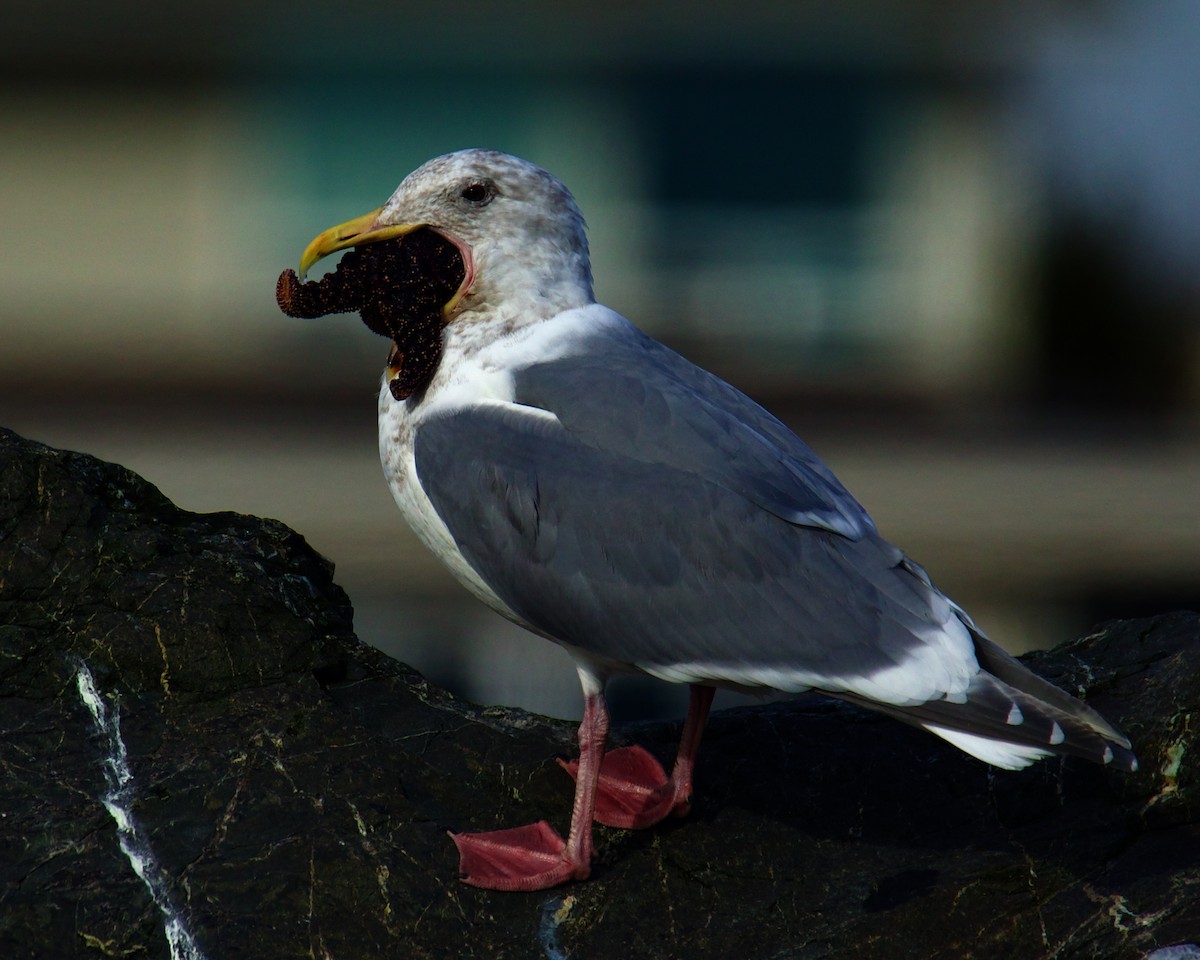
[954,245]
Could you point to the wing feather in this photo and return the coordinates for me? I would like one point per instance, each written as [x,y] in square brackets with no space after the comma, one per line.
[631,505]
[630,396]
[671,571]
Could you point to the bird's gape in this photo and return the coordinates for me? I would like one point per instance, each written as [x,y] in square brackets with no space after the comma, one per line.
[399,287]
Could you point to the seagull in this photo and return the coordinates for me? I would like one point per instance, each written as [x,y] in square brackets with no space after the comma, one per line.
[595,487]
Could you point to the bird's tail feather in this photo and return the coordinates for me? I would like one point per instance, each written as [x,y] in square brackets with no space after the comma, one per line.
[1013,717]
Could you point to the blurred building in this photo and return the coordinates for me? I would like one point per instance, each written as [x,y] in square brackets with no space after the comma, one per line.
[955,246]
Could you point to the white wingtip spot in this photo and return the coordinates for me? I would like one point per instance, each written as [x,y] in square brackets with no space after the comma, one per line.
[1056,734]
[1015,716]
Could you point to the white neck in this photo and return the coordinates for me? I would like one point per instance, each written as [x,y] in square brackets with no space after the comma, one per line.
[521,280]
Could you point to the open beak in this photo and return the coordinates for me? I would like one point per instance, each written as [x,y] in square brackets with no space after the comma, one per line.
[352,233]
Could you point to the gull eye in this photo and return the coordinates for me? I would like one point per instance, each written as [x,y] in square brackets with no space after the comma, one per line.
[478,193]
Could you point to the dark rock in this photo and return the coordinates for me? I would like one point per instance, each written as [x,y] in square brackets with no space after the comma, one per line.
[291,788]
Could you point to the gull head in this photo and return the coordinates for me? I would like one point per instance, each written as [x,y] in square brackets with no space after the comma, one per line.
[518,229]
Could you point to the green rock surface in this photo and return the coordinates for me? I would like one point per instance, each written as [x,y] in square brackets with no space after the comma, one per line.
[290,787]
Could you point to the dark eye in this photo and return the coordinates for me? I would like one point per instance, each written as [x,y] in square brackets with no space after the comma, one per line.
[478,193]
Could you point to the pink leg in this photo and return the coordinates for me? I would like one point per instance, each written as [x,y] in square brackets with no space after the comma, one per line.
[634,791]
[535,857]
[689,745]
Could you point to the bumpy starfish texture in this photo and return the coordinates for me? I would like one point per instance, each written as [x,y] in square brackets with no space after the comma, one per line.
[399,287]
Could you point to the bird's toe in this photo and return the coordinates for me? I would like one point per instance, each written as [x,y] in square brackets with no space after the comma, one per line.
[633,791]
[532,857]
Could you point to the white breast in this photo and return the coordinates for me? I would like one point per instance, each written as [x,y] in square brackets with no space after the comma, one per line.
[474,370]
[400,471]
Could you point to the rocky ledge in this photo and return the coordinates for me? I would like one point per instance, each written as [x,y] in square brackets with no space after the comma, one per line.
[198,759]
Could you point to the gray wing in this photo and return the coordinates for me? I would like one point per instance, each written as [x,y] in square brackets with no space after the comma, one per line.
[633,506]
[676,527]
[630,396]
